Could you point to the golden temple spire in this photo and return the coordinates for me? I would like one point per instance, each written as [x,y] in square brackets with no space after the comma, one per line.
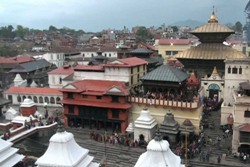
[213,17]
[215,72]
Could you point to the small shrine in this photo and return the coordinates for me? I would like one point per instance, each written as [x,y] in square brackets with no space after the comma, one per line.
[169,128]
[130,130]
[11,113]
[145,126]
[28,107]
[193,85]
[8,154]
[187,128]
[158,154]
[63,151]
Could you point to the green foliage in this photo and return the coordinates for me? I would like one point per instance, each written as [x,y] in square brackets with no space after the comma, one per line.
[143,34]
[175,28]
[6,51]
[238,27]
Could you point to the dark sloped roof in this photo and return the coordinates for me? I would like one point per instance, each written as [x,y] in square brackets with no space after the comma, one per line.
[4,101]
[166,73]
[31,66]
[245,85]
[141,50]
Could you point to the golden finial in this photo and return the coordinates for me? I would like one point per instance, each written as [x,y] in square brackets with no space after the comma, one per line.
[213,18]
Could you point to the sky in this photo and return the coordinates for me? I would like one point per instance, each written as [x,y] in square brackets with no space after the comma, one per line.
[96,15]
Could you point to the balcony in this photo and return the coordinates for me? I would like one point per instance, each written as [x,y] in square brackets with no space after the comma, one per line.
[165,103]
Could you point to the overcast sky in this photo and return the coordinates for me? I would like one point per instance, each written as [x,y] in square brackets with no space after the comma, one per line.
[95,15]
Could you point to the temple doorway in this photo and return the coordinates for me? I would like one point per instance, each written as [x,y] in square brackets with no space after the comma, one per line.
[166,138]
[214,91]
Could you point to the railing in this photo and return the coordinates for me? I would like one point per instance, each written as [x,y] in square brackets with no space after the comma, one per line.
[165,103]
[22,132]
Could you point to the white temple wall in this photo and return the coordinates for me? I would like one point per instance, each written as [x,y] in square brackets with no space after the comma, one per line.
[225,112]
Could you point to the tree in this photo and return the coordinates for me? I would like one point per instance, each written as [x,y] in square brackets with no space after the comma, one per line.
[142,34]
[52,28]
[175,28]
[238,27]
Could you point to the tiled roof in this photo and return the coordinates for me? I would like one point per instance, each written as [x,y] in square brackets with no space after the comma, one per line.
[62,70]
[88,68]
[33,91]
[174,41]
[127,62]
[96,86]
[97,104]
[212,28]
[16,59]
[166,73]
[210,51]
[31,66]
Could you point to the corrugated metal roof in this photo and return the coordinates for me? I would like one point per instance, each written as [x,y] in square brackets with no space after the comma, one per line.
[31,66]
[166,73]
[212,28]
[210,51]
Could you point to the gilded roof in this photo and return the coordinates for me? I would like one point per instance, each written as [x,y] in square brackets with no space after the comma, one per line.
[212,27]
[210,51]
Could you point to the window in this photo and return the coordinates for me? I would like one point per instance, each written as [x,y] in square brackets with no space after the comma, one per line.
[46,99]
[235,70]
[138,68]
[70,95]
[35,99]
[247,114]
[175,52]
[229,70]
[144,67]
[71,109]
[131,70]
[19,99]
[99,97]
[52,100]
[240,70]
[92,55]
[60,80]
[168,53]
[115,113]
[58,99]
[40,99]
[115,98]
[10,98]
[132,80]
[83,55]
[110,55]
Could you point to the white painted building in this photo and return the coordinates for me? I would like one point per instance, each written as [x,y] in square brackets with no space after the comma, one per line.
[51,96]
[54,58]
[236,103]
[109,52]
[55,77]
[128,70]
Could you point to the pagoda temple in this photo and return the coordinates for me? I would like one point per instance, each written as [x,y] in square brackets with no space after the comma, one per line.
[158,155]
[211,51]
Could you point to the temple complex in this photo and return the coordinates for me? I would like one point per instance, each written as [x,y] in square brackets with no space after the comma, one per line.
[158,155]
[211,51]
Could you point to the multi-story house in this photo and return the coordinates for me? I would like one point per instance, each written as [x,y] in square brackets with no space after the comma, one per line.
[97,104]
